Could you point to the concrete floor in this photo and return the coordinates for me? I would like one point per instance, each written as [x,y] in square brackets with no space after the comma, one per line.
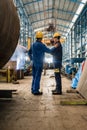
[28,112]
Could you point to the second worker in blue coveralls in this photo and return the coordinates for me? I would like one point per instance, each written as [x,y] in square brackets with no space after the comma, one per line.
[36,54]
[57,61]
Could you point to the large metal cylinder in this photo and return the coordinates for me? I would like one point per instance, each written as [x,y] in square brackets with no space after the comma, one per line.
[9,30]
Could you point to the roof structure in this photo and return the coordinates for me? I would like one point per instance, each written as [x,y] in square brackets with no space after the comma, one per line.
[52,15]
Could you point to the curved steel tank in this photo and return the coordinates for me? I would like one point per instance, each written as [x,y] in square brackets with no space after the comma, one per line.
[9,30]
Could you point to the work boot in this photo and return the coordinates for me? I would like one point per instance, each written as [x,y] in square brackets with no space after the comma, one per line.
[56,93]
[53,90]
[38,93]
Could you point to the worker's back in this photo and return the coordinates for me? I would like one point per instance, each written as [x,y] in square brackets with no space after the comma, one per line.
[38,53]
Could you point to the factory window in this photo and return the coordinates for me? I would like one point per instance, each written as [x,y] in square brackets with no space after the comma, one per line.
[83,23]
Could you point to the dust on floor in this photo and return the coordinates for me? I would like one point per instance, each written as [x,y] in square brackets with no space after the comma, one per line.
[28,112]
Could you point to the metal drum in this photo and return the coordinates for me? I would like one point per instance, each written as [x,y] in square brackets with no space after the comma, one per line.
[9,30]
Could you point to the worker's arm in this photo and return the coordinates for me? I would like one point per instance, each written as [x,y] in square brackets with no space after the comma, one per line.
[49,50]
[30,53]
[46,49]
[56,45]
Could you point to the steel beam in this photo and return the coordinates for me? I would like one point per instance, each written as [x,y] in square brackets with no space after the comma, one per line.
[77,1]
[52,18]
[60,25]
[53,9]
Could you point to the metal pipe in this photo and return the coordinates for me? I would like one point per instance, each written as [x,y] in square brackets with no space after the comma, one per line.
[9,30]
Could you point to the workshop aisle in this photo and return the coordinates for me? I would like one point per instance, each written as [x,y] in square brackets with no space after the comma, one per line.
[28,112]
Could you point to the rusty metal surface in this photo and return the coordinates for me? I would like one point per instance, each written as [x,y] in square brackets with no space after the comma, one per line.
[9,30]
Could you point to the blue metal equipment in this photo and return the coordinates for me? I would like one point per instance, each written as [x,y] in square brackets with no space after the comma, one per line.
[70,68]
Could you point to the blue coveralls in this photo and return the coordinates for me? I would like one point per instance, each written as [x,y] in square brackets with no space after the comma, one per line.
[36,54]
[57,60]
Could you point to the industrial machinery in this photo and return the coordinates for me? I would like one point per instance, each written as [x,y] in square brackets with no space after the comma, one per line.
[9,30]
[71,67]
[9,35]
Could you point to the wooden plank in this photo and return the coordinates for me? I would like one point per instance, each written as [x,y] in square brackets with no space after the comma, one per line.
[3,75]
[3,70]
[74,102]
[6,93]
[71,91]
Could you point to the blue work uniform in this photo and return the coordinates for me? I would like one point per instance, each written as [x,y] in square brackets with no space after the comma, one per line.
[57,60]
[36,54]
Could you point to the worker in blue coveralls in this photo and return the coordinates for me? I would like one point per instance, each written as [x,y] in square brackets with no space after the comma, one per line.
[36,54]
[57,61]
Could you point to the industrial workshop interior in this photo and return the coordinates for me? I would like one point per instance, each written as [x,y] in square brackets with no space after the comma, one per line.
[43,64]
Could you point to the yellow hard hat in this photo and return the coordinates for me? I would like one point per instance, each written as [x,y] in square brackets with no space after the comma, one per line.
[56,34]
[39,34]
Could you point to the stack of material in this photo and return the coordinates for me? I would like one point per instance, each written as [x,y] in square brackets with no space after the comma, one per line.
[10,65]
[82,84]
[8,72]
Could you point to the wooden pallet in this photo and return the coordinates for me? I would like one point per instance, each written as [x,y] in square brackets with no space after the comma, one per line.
[7,93]
[7,75]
